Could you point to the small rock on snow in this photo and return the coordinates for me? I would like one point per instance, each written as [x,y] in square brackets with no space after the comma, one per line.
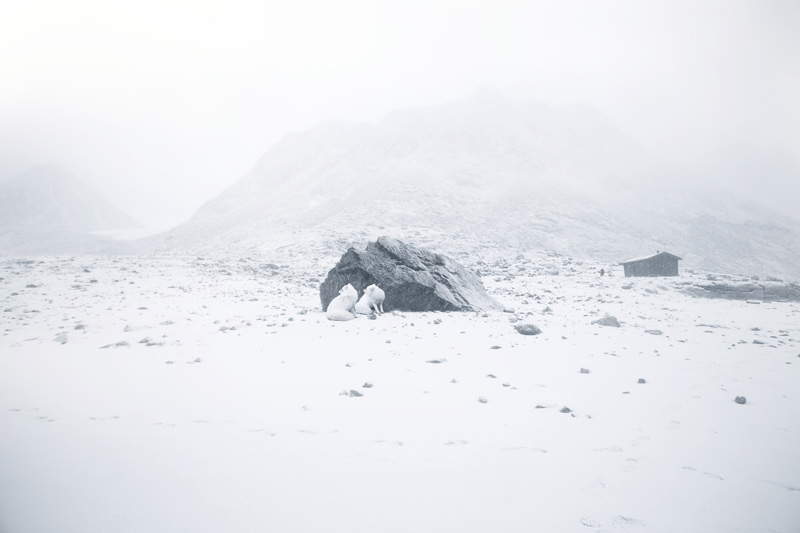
[527,329]
[607,321]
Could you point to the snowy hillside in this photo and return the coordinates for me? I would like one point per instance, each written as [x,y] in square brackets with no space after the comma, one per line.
[48,209]
[490,169]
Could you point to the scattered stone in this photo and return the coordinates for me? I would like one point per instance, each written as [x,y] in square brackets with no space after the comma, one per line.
[495,347]
[355,393]
[61,338]
[436,361]
[367,385]
[437,321]
[642,380]
[146,340]
[607,321]
[756,341]
[491,376]
[584,370]
[413,279]
[198,360]
[116,345]
[653,331]
[566,409]
[80,326]
[740,400]
[527,329]
[482,399]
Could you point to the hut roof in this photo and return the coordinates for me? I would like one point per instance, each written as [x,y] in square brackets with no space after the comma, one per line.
[635,259]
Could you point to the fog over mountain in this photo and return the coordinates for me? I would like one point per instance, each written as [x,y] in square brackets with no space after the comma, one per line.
[50,198]
[48,210]
[499,171]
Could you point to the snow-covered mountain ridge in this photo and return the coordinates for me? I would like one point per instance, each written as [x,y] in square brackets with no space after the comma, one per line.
[48,198]
[493,170]
[48,210]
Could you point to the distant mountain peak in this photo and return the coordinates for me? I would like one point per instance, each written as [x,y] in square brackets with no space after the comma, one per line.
[49,198]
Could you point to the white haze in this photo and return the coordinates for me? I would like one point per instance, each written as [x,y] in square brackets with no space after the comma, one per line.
[161,105]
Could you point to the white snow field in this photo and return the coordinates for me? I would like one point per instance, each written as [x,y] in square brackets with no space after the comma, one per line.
[174,393]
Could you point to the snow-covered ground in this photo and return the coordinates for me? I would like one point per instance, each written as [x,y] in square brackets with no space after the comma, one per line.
[178,393]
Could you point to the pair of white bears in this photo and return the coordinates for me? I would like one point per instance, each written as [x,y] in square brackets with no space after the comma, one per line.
[346,305]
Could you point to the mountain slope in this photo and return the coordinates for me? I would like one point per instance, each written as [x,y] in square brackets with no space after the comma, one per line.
[49,211]
[496,172]
[49,198]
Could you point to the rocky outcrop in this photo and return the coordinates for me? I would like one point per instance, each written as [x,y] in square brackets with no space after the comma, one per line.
[413,279]
[768,291]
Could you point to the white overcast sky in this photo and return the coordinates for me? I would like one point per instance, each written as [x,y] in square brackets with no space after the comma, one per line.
[159,105]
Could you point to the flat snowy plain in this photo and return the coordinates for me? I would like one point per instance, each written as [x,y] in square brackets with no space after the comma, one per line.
[177,393]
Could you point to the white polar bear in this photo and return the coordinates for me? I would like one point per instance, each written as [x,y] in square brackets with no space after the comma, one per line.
[372,300]
[341,307]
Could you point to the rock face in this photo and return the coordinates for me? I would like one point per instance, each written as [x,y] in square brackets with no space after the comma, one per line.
[769,291]
[413,279]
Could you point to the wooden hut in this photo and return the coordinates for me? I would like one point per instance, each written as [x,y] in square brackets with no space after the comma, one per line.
[659,264]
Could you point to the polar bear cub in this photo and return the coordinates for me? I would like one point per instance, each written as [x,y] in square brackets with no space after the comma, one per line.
[371,300]
[341,307]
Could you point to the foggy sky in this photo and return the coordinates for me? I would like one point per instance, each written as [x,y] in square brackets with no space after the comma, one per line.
[159,105]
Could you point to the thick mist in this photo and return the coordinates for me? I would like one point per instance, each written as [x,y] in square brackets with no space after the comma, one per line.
[160,106]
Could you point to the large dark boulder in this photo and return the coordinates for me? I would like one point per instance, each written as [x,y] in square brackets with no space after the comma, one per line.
[413,279]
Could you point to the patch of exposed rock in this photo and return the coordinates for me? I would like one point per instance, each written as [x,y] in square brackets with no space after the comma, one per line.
[413,279]
[767,291]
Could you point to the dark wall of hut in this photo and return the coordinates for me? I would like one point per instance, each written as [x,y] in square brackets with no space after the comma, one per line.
[660,265]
